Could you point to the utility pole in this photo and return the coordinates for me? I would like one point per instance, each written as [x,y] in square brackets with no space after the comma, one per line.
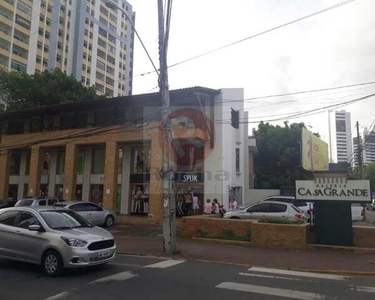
[169,203]
[359,153]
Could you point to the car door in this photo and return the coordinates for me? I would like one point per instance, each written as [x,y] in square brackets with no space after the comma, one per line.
[94,213]
[278,210]
[32,243]
[257,211]
[80,208]
[8,235]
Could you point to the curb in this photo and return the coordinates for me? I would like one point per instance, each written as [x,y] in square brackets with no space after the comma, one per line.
[336,272]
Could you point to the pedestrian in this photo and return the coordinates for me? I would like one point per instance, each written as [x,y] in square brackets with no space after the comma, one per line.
[207,207]
[215,207]
[195,205]
[232,203]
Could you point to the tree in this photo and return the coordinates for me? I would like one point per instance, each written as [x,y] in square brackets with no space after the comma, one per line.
[369,171]
[22,91]
[278,162]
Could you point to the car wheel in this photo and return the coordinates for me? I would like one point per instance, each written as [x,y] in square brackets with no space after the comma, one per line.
[52,263]
[109,220]
[234,218]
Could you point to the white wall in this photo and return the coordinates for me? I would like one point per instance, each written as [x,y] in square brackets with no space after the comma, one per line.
[221,163]
[257,195]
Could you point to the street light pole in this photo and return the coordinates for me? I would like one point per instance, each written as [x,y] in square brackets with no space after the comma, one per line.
[169,205]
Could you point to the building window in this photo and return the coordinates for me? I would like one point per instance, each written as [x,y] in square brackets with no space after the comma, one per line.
[60,162]
[81,161]
[98,160]
[96,193]
[15,163]
[237,160]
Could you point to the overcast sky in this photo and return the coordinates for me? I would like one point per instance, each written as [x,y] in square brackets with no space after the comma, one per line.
[331,49]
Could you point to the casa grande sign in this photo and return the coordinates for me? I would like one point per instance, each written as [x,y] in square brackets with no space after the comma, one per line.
[336,189]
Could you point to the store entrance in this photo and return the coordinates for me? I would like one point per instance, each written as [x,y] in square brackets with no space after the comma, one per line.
[189,200]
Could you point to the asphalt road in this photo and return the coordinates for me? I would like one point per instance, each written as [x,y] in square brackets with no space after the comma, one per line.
[154,278]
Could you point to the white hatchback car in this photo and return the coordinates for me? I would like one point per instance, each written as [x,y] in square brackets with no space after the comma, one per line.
[267,209]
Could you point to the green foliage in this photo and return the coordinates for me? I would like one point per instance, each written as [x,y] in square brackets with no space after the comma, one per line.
[22,91]
[369,171]
[278,160]
[279,221]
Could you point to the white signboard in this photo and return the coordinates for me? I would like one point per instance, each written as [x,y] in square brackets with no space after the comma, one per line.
[337,190]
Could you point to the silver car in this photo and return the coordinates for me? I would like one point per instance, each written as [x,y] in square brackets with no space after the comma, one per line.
[40,201]
[91,211]
[269,209]
[53,238]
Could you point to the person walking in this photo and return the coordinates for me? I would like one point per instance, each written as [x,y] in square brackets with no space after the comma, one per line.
[232,203]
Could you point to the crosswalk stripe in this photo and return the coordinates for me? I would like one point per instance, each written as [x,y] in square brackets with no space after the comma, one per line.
[257,289]
[364,289]
[116,277]
[274,277]
[298,273]
[165,264]
[63,295]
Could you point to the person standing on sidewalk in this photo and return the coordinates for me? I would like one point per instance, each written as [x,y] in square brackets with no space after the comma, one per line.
[207,207]
[232,203]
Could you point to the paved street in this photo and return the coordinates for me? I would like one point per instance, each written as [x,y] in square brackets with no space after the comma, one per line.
[155,278]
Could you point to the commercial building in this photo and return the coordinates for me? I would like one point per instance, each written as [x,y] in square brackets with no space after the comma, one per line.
[109,151]
[81,37]
[341,137]
[368,147]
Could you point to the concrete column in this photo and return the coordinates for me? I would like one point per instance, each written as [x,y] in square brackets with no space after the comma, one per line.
[4,173]
[156,184]
[125,180]
[35,172]
[70,176]
[110,175]
[86,175]
[52,173]
[22,181]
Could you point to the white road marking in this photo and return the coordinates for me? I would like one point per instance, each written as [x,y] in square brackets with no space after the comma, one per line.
[116,277]
[364,289]
[63,295]
[264,290]
[275,277]
[165,264]
[298,273]
[125,265]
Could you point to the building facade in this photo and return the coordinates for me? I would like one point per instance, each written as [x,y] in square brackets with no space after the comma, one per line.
[368,147]
[341,137]
[81,37]
[109,151]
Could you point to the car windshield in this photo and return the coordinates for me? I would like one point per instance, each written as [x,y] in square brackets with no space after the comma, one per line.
[64,219]
[25,203]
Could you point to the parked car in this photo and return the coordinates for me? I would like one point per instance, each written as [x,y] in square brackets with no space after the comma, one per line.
[39,201]
[302,205]
[92,212]
[270,209]
[53,238]
[7,203]
[370,206]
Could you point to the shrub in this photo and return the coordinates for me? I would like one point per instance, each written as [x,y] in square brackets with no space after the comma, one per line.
[279,221]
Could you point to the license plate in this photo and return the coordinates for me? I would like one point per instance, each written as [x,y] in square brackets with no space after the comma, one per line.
[104,254]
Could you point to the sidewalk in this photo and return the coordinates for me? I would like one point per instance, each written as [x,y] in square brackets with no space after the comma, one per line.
[146,240]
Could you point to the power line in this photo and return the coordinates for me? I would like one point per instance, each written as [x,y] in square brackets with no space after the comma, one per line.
[253,36]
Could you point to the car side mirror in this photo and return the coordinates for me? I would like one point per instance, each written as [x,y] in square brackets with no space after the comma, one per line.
[36,228]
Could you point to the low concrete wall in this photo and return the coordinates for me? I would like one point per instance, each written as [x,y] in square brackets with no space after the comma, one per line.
[279,236]
[212,225]
[364,236]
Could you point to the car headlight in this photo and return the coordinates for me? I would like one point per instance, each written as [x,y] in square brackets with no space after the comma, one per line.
[74,242]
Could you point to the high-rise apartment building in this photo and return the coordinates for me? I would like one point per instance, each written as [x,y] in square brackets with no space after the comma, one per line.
[81,37]
[341,137]
[368,147]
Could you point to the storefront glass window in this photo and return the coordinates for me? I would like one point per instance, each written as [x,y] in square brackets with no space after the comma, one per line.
[98,161]
[96,193]
[15,163]
[80,161]
[46,162]
[139,199]
[59,188]
[60,162]
[120,160]
[141,160]
[79,192]
[28,157]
